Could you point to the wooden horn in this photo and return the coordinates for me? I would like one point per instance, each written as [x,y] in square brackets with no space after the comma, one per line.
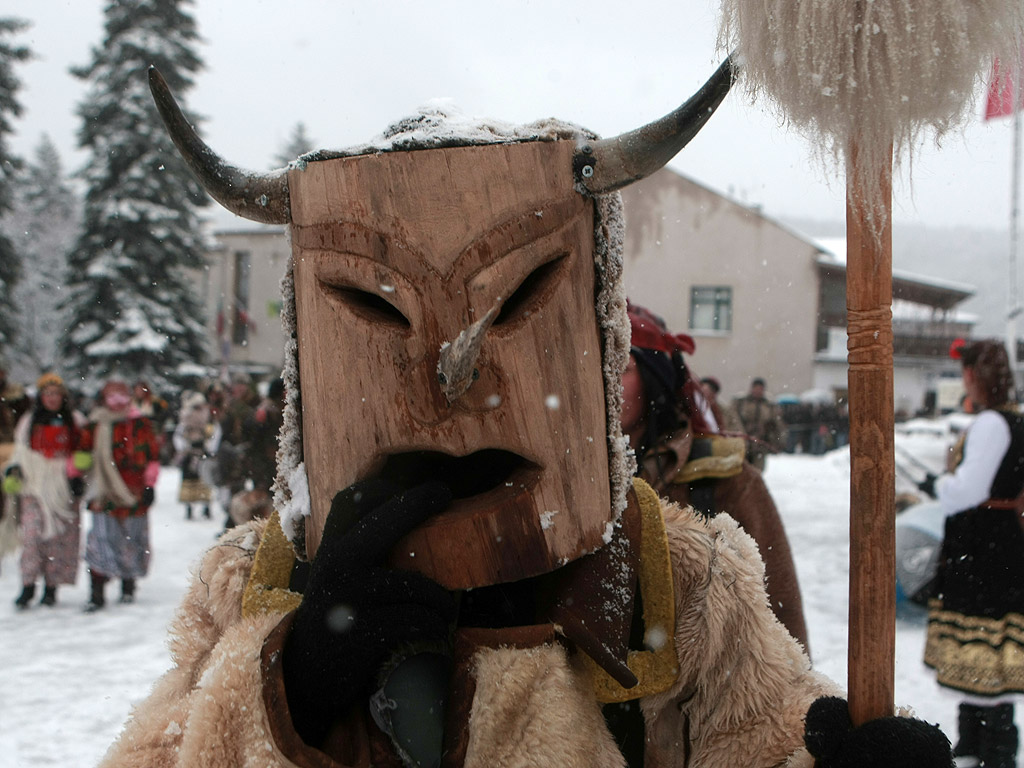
[609,164]
[257,196]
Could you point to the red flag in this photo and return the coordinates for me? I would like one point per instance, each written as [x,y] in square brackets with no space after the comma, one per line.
[1002,100]
[220,319]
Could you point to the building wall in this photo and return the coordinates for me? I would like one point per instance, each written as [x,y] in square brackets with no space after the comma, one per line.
[680,235]
[262,349]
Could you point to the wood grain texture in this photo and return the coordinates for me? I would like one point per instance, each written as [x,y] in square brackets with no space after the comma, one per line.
[872,630]
[442,236]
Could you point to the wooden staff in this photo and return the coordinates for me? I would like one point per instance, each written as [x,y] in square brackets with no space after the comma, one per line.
[872,630]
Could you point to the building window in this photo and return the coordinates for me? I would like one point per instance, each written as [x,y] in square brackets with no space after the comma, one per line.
[710,308]
[242,319]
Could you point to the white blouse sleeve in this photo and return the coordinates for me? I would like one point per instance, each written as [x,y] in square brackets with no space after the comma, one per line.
[988,439]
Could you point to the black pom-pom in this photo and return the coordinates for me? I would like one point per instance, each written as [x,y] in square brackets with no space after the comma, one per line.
[828,722]
[887,742]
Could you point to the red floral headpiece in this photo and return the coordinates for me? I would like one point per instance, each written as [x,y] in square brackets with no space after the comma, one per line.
[649,332]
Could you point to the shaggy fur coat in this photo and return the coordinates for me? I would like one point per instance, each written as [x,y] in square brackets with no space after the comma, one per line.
[742,690]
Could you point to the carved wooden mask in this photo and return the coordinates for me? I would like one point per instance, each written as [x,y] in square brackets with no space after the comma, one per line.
[397,254]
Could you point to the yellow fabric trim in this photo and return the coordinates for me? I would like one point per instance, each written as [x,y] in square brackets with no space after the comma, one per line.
[656,670]
[726,460]
[267,590]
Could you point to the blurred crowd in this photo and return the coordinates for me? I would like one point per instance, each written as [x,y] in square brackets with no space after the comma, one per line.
[63,452]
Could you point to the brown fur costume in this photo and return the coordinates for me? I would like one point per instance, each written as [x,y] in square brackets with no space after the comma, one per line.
[739,700]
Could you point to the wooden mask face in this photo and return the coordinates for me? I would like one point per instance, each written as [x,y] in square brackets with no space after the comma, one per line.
[397,254]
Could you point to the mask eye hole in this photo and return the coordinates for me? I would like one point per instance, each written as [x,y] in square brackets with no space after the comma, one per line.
[368,306]
[532,292]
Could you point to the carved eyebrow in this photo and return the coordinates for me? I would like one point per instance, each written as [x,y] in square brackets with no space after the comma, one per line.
[365,285]
[524,229]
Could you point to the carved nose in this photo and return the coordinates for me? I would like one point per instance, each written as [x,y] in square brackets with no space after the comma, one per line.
[457,362]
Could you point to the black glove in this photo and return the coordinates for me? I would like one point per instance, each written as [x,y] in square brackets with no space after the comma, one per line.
[147,497]
[888,742]
[357,615]
[927,486]
[77,486]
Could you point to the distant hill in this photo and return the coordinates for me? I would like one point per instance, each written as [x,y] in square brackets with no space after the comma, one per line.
[977,257]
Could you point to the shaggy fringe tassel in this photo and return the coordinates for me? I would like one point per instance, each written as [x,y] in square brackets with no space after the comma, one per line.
[873,72]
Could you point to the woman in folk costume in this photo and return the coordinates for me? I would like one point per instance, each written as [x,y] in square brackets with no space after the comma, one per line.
[681,454]
[478,551]
[42,477]
[124,461]
[196,439]
[976,625]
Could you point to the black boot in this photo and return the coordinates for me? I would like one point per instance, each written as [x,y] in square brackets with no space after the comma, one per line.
[206,512]
[997,746]
[28,591]
[127,590]
[188,511]
[49,597]
[969,728]
[96,601]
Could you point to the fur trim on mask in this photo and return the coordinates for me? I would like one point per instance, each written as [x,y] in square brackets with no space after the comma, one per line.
[437,127]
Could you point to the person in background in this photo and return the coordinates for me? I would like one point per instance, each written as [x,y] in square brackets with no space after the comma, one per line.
[681,455]
[266,424]
[148,404]
[48,489]
[119,447]
[13,403]
[724,415]
[976,624]
[760,421]
[196,439]
[261,457]
[217,399]
[236,425]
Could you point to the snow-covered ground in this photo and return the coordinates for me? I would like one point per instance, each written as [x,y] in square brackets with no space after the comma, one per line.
[68,680]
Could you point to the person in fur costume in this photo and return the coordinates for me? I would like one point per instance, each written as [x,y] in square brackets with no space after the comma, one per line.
[196,438]
[373,654]
[47,488]
[684,458]
[120,448]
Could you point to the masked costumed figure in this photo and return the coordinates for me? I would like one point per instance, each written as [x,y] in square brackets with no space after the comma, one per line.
[122,451]
[483,571]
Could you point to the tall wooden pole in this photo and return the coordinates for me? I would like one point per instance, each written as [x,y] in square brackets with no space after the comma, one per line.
[872,631]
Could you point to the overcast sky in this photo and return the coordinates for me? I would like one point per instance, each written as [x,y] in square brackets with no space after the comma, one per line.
[347,69]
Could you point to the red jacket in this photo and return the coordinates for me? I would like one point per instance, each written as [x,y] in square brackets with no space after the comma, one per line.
[135,452]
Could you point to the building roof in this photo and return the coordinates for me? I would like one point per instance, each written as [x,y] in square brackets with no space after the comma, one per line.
[919,289]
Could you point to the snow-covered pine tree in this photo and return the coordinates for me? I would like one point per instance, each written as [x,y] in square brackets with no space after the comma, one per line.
[10,107]
[133,311]
[299,143]
[44,224]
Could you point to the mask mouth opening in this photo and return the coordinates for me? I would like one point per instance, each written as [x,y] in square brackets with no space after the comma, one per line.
[485,471]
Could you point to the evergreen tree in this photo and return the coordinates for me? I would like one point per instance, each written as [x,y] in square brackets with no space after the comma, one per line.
[133,310]
[44,225]
[298,144]
[10,107]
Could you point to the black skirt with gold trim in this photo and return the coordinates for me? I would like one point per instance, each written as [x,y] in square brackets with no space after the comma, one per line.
[976,624]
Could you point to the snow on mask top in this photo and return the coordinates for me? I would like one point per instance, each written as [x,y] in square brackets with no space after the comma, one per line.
[395,256]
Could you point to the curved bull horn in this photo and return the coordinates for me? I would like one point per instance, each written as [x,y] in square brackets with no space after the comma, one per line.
[608,164]
[257,196]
